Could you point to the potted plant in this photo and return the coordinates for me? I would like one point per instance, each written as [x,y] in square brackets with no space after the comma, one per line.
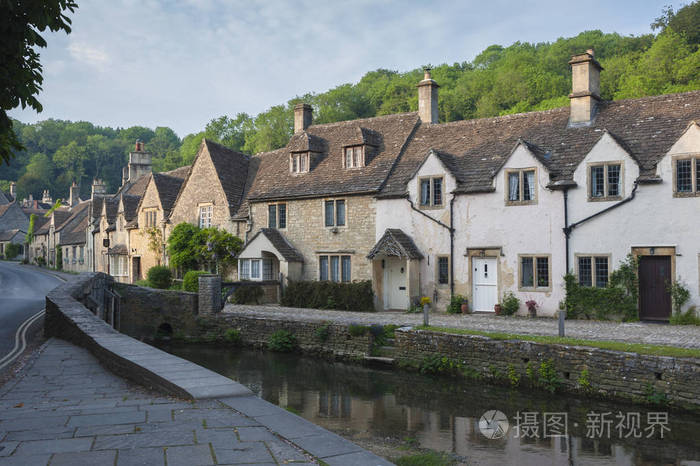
[465,306]
[531,307]
[497,308]
[509,304]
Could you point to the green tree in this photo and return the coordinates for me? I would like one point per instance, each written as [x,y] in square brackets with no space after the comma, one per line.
[21,78]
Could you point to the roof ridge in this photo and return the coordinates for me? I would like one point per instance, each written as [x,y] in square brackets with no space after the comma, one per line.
[351,122]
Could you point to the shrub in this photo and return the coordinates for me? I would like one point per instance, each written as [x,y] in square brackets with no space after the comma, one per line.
[323,332]
[248,294]
[232,336]
[548,378]
[688,317]
[510,304]
[436,364]
[679,295]
[159,276]
[357,330]
[40,261]
[12,250]
[190,282]
[455,306]
[616,301]
[356,296]
[282,341]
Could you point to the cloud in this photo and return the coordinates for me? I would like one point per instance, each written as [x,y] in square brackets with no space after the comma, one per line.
[89,55]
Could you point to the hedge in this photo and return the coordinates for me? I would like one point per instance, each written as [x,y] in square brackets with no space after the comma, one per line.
[356,296]
[190,281]
[159,276]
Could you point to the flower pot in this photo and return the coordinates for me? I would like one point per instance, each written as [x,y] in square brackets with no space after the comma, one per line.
[532,312]
[465,308]
[497,309]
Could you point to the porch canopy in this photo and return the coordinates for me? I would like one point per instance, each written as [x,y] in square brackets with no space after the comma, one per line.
[395,243]
[267,255]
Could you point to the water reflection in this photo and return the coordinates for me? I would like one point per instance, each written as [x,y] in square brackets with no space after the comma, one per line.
[375,405]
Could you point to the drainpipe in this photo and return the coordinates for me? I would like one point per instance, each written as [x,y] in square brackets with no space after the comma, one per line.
[567,232]
[449,228]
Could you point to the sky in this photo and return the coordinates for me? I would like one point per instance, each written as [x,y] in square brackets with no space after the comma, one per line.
[180,63]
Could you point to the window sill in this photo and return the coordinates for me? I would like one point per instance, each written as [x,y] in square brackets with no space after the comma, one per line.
[604,198]
[535,289]
[517,203]
[431,207]
[689,194]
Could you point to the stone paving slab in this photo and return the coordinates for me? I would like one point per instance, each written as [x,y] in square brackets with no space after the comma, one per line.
[117,423]
[685,336]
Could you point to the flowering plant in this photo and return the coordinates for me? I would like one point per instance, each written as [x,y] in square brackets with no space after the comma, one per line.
[425,300]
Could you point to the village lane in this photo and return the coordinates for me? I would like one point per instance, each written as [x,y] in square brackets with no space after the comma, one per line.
[22,294]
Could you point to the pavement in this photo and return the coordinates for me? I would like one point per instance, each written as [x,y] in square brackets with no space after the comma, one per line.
[684,336]
[66,409]
[22,294]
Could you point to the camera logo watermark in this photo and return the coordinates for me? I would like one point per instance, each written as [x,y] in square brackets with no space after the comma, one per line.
[493,424]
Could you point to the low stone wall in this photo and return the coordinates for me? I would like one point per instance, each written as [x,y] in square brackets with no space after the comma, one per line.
[257,331]
[144,310]
[611,373]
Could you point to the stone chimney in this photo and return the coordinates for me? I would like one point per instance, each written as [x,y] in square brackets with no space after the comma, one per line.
[585,88]
[98,187]
[13,190]
[302,117]
[139,162]
[428,99]
[74,195]
[46,197]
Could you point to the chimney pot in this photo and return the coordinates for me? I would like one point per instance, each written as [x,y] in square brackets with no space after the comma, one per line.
[590,52]
[303,116]
[13,189]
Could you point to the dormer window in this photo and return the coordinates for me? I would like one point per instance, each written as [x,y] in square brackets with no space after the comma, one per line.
[605,181]
[299,162]
[354,157]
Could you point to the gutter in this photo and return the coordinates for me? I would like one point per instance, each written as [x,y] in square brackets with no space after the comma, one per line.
[568,229]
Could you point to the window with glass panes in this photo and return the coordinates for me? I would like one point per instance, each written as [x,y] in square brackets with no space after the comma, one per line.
[431,192]
[593,271]
[277,216]
[205,214]
[443,265]
[334,268]
[534,272]
[687,173]
[605,181]
[521,186]
[299,162]
[354,157]
[334,213]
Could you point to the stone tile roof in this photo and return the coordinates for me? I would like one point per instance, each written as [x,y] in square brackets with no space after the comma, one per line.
[327,176]
[118,250]
[73,229]
[60,217]
[168,186]
[7,235]
[231,168]
[395,242]
[131,204]
[112,208]
[477,149]
[281,243]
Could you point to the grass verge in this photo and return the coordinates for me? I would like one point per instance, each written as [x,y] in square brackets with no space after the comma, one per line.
[654,350]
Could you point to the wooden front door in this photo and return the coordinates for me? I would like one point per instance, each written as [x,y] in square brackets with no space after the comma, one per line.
[136,272]
[654,280]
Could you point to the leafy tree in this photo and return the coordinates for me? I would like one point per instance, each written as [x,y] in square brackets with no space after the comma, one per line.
[182,246]
[30,230]
[21,79]
[191,247]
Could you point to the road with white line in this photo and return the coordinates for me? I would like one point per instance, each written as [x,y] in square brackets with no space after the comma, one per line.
[22,295]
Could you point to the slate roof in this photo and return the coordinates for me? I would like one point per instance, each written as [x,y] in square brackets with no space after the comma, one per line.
[395,242]
[168,186]
[131,204]
[59,218]
[477,149]
[283,246]
[118,250]
[327,176]
[7,235]
[73,229]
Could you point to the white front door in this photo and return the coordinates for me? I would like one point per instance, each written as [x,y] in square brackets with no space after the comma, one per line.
[485,279]
[395,283]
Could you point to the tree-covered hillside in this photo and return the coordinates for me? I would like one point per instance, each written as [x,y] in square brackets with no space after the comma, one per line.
[500,80]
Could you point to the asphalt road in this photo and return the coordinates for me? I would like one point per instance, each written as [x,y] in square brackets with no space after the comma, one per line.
[22,294]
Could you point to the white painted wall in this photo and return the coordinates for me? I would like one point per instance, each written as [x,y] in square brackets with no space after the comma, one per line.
[653,218]
[605,150]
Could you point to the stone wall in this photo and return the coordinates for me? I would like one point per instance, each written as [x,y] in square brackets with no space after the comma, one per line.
[144,310]
[611,373]
[306,230]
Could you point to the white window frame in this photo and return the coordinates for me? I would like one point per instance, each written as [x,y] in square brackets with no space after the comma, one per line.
[206,212]
[299,162]
[354,156]
[118,266]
